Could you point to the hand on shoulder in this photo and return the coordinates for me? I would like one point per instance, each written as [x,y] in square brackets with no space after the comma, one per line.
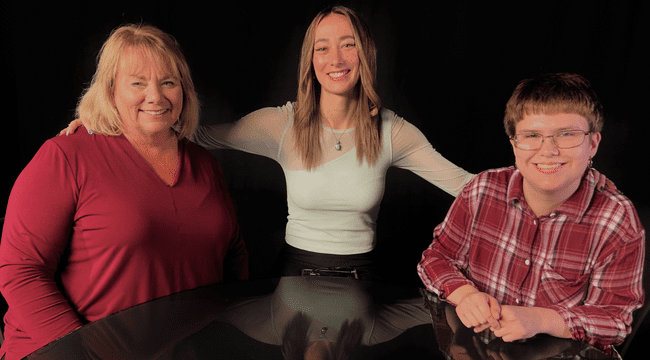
[72,127]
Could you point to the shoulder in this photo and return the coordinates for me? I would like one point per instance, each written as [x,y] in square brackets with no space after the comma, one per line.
[611,204]
[390,118]
[79,143]
[194,149]
[491,184]
[491,180]
[398,126]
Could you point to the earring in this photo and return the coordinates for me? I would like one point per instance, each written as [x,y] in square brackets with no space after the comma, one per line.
[590,163]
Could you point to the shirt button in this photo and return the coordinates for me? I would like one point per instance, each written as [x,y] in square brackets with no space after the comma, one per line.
[553,214]
[527,262]
[534,222]
[517,301]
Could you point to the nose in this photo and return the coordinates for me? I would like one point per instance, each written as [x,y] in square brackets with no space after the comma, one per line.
[153,93]
[337,57]
[548,145]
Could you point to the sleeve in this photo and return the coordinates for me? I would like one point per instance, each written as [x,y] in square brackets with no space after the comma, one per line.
[441,263]
[36,232]
[259,132]
[615,291]
[412,151]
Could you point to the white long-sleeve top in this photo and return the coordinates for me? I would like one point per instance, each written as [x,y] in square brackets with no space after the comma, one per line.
[333,208]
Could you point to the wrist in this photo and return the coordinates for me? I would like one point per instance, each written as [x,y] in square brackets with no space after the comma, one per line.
[461,293]
[552,323]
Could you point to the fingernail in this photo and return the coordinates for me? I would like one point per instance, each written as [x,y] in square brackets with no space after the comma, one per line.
[67,132]
[90,131]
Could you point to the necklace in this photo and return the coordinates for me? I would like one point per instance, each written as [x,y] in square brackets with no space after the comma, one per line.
[337,146]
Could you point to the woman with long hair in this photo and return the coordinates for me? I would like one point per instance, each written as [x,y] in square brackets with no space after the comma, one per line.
[335,144]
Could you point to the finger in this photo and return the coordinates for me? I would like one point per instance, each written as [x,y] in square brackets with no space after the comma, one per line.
[493,323]
[495,308]
[479,328]
[468,321]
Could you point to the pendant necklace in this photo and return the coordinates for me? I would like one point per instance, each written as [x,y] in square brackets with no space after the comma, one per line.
[337,146]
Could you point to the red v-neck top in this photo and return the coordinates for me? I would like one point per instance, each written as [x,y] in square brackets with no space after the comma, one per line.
[92,229]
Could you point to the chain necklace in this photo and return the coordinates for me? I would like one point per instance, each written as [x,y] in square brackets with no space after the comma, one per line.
[337,146]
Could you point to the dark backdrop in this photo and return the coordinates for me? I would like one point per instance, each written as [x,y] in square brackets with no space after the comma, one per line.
[448,67]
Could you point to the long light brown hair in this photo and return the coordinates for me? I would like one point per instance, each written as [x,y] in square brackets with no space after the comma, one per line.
[307,121]
[97,104]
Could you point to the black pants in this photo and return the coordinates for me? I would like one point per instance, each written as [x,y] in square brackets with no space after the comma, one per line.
[292,260]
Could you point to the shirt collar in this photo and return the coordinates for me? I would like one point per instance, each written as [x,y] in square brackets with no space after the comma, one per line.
[574,207]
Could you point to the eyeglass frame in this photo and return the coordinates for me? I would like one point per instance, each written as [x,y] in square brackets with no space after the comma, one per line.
[585,133]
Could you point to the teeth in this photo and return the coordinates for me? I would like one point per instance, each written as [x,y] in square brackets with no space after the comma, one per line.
[338,74]
[548,166]
[159,112]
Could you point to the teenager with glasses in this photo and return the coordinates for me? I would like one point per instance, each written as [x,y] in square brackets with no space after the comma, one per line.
[543,247]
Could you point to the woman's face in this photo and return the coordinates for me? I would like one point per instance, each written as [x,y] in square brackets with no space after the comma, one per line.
[147,95]
[335,59]
[551,172]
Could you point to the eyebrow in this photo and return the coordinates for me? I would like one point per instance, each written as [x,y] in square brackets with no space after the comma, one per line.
[341,38]
[141,77]
[555,130]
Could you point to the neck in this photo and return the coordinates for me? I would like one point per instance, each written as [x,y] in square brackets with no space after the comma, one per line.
[157,142]
[338,111]
[543,203]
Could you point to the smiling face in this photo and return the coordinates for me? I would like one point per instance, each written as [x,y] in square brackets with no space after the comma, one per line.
[147,95]
[335,59]
[552,174]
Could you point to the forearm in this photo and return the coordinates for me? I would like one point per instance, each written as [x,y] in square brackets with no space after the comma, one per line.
[439,275]
[39,307]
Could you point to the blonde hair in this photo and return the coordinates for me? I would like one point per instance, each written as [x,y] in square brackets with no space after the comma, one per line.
[307,122]
[553,94]
[97,105]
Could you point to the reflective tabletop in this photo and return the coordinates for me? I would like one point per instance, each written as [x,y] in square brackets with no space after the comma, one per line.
[297,318]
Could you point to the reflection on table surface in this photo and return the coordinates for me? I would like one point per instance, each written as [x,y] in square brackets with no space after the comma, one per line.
[297,318]
[461,343]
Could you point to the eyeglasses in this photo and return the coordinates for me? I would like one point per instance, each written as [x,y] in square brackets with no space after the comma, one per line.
[562,140]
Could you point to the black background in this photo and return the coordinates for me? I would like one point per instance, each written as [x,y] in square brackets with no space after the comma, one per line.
[447,67]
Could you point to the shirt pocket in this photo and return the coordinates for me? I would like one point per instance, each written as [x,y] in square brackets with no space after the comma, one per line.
[561,286]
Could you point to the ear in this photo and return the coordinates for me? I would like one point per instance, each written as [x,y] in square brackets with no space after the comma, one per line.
[594,141]
[514,148]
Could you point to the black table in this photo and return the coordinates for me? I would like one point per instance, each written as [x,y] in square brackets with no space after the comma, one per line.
[261,319]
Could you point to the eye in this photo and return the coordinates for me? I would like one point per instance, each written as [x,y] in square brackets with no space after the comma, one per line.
[532,136]
[568,134]
[169,83]
[349,45]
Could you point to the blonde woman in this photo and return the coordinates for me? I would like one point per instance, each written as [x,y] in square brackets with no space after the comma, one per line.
[97,224]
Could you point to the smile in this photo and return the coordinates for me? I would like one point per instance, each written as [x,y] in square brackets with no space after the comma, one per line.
[549,168]
[336,76]
[157,112]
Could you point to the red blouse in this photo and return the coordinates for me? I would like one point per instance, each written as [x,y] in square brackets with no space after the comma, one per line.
[92,229]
